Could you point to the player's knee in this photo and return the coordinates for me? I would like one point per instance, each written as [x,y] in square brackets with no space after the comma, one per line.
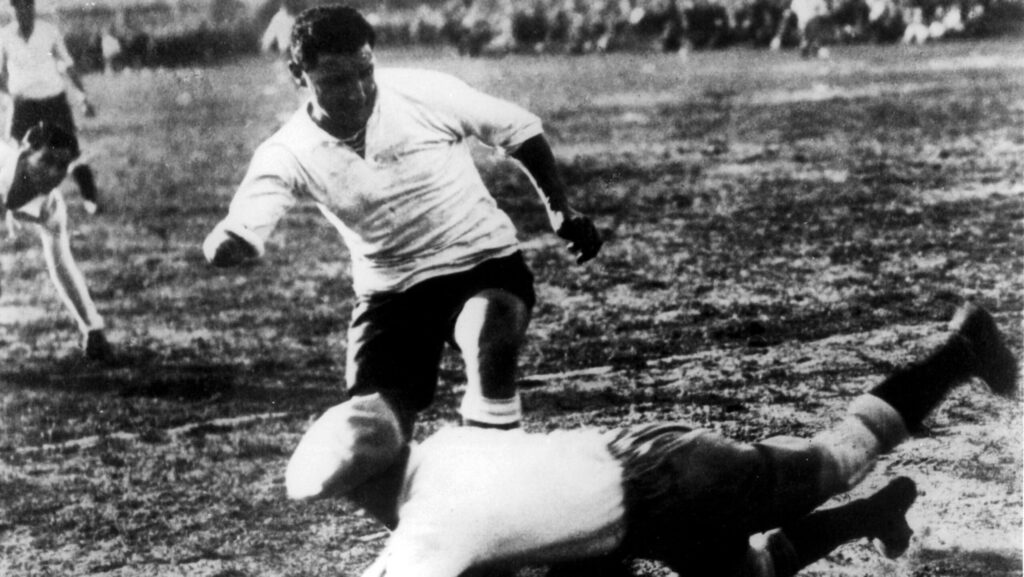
[492,321]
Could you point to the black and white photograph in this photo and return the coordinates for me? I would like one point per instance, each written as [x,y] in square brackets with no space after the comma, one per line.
[511,288]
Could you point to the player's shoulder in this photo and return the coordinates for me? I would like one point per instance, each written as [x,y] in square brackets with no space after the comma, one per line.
[416,80]
[47,27]
[8,30]
[291,140]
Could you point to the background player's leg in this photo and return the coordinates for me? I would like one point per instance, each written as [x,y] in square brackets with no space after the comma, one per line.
[86,182]
[70,283]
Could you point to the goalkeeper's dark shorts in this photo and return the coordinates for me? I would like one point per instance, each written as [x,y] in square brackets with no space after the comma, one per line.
[694,498]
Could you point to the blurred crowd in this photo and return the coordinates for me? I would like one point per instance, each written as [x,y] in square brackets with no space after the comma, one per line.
[495,27]
[478,27]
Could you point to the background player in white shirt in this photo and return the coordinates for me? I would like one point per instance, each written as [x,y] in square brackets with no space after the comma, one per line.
[35,67]
[29,175]
[468,499]
[385,156]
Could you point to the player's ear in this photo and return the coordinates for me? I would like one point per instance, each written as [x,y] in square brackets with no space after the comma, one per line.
[296,71]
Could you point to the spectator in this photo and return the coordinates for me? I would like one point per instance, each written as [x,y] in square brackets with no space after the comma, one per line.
[277,35]
[810,18]
[916,31]
[110,49]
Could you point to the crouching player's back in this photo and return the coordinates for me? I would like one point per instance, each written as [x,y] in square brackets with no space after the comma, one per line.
[454,478]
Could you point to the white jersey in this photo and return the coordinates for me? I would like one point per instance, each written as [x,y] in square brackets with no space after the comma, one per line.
[35,67]
[560,496]
[415,207]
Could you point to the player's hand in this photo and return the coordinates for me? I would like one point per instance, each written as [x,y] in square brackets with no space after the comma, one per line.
[227,249]
[579,230]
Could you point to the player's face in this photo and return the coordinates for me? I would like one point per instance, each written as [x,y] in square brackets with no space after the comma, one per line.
[343,88]
[44,168]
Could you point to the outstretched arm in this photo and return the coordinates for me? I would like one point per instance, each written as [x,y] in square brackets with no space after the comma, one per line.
[64,60]
[67,278]
[538,160]
[260,202]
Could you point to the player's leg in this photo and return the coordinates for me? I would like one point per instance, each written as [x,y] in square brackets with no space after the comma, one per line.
[69,281]
[84,178]
[394,348]
[489,328]
[882,418]
[699,488]
[975,349]
[490,331]
[58,112]
[880,517]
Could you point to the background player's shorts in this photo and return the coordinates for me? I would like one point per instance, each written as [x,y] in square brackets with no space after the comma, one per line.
[27,113]
[694,498]
[395,340]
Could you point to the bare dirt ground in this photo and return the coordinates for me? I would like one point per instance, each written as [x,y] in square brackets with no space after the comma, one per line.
[780,234]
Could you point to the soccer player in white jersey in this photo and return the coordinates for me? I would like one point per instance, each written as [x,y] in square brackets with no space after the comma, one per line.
[385,156]
[35,67]
[29,175]
[470,501]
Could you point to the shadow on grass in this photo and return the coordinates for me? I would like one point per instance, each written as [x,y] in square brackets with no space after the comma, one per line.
[138,373]
[127,377]
[962,563]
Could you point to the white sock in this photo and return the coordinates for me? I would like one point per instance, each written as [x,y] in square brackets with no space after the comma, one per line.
[871,428]
[492,412]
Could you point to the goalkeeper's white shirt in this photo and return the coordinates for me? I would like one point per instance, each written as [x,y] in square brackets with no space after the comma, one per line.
[415,207]
[551,497]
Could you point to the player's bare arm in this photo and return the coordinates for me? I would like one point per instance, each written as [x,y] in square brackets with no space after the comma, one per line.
[539,161]
[76,80]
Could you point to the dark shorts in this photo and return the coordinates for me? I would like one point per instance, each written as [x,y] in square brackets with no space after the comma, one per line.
[693,497]
[395,340]
[28,113]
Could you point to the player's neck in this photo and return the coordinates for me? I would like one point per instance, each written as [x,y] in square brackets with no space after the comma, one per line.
[25,28]
[341,130]
[350,134]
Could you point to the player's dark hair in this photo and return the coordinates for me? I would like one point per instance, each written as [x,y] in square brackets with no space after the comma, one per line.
[48,134]
[327,29]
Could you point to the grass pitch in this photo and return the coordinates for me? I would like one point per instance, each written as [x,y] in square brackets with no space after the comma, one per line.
[780,232]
